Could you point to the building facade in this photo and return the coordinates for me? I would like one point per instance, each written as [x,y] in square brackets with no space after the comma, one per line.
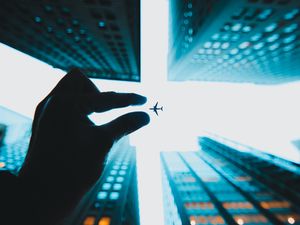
[101,37]
[15,131]
[234,41]
[221,185]
[114,199]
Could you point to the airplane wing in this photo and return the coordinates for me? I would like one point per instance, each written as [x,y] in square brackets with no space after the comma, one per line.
[155,112]
[155,105]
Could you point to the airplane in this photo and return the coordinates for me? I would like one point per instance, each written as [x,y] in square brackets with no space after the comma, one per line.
[155,108]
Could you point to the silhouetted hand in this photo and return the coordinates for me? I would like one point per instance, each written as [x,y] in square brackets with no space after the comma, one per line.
[67,151]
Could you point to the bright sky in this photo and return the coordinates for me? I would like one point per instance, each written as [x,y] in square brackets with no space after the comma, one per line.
[265,117]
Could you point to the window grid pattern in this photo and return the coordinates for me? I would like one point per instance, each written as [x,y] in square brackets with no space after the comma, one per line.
[87,35]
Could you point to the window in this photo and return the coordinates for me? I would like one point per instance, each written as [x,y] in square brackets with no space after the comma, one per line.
[199,205]
[237,205]
[189,179]
[102,195]
[90,220]
[275,204]
[106,186]
[117,187]
[247,219]
[104,221]
[114,195]
[120,179]
[206,220]
[110,179]
[289,218]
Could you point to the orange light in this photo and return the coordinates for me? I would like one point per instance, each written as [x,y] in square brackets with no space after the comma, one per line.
[2,164]
[291,220]
[240,221]
[104,221]
[90,220]
[193,222]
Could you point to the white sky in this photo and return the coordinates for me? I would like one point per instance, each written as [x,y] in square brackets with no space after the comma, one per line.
[265,117]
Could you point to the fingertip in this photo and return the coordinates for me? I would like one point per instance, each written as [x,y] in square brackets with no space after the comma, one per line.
[143,117]
[139,99]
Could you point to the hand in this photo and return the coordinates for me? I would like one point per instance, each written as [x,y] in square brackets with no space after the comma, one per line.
[67,151]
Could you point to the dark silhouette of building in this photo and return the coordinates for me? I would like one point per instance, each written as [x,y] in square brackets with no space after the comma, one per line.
[254,41]
[221,185]
[101,37]
[114,199]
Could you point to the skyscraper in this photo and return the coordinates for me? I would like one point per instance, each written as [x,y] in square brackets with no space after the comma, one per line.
[16,131]
[221,185]
[114,199]
[234,41]
[101,37]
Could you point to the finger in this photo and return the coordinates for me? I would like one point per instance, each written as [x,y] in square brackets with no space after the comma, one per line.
[126,124]
[105,101]
[74,82]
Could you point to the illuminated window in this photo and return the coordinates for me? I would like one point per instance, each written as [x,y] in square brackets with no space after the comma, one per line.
[110,179]
[106,186]
[215,36]
[206,220]
[2,164]
[207,44]
[113,172]
[289,218]
[124,167]
[273,38]
[292,14]
[120,179]
[101,24]
[37,19]
[247,29]
[244,45]
[291,28]
[116,167]
[289,39]
[216,45]
[234,51]
[237,205]
[122,172]
[271,27]
[104,221]
[275,204]
[199,205]
[90,220]
[243,178]
[117,187]
[264,14]
[250,219]
[189,179]
[289,47]
[258,46]
[225,45]
[102,195]
[256,37]
[236,27]
[114,195]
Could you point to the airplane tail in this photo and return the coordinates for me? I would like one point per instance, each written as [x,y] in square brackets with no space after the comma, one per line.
[162,109]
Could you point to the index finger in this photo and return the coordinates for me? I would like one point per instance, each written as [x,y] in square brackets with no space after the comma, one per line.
[104,101]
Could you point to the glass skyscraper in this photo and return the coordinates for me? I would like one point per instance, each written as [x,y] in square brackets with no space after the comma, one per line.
[15,131]
[114,199]
[100,37]
[221,185]
[234,41]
